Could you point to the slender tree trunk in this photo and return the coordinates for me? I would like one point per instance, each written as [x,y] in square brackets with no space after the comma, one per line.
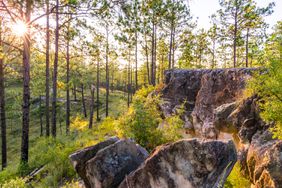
[68,83]
[55,74]
[155,56]
[153,81]
[2,106]
[128,80]
[147,59]
[235,36]
[83,101]
[92,90]
[213,54]
[247,48]
[26,88]
[41,115]
[97,90]
[136,60]
[47,72]
[170,48]
[173,49]
[107,71]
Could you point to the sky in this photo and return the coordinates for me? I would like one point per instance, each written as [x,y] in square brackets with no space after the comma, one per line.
[205,8]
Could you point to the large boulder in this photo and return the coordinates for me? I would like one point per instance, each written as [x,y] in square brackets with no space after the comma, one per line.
[185,164]
[79,158]
[111,164]
[218,87]
[264,161]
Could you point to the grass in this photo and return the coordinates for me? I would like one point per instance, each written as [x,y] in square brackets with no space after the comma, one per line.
[47,152]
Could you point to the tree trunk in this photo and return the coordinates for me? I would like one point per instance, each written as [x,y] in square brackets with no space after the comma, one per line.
[55,74]
[2,107]
[147,59]
[107,71]
[68,84]
[92,90]
[235,36]
[97,90]
[41,115]
[128,81]
[47,72]
[136,60]
[153,81]
[83,101]
[170,47]
[26,88]
[247,48]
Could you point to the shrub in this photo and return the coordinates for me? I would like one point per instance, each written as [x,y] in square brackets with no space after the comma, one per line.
[143,119]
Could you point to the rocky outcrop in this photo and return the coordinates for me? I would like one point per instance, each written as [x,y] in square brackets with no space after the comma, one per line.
[264,161]
[202,91]
[186,163]
[79,158]
[107,163]
[216,106]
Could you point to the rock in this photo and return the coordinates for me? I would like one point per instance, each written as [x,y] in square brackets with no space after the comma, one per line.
[79,158]
[186,163]
[264,161]
[218,87]
[111,164]
[201,91]
[182,85]
[241,117]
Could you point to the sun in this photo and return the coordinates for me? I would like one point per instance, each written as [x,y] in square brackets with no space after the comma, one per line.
[19,28]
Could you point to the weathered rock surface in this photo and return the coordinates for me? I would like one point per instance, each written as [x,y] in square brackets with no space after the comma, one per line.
[79,158]
[218,87]
[241,117]
[185,164]
[203,91]
[111,164]
[264,161]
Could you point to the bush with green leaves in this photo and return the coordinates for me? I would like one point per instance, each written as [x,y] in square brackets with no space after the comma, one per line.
[268,84]
[143,119]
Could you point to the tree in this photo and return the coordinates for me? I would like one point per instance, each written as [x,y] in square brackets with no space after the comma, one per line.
[47,72]
[2,103]
[234,15]
[55,73]
[177,17]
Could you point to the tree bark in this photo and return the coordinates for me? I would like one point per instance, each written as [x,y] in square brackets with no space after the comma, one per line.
[41,115]
[55,74]
[26,88]
[97,90]
[247,48]
[235,36]
[2,106]
[47,72]
[147,59]
[68,83]
[83,101]
[128,80]
[107,71]
[92,90]
[170,48]
[136,60]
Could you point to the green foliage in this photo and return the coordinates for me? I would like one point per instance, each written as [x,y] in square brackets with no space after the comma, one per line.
[143,121]
[268,85]
[14,183]
[236,180]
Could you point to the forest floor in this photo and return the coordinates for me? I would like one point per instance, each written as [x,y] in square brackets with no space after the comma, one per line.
[117,106]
